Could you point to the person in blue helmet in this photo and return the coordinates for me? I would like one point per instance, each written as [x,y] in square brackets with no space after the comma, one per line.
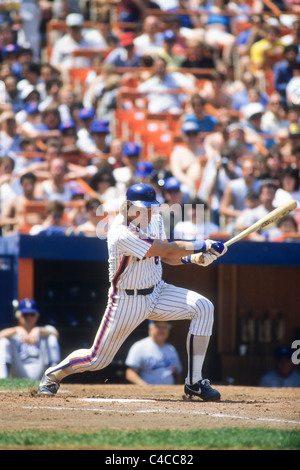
[137,246]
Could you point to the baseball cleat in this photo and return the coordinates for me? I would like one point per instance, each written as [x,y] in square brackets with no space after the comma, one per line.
[202,389]
[48,386]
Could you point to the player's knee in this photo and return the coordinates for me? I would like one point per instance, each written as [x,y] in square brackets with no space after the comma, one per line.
[205,306]
[205,315]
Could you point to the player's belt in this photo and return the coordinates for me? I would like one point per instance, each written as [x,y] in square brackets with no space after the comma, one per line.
[147,291]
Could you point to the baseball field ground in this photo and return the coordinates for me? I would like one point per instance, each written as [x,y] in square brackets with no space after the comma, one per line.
[119,417]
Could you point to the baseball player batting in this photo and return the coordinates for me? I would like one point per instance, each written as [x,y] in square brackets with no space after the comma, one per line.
[137,245]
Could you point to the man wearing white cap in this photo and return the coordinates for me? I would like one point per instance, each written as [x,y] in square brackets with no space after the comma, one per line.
[69,42]
[254,133]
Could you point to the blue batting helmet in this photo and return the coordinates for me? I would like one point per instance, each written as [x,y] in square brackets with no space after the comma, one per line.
[142,195]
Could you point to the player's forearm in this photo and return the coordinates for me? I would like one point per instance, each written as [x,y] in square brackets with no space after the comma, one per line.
[44,332]
[176,249]
[133,377]
[172,261]
[8,332]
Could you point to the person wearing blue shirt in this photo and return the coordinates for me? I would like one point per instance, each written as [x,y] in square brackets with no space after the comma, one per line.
[283,374]
[283,71]
[206,122]
[152,360]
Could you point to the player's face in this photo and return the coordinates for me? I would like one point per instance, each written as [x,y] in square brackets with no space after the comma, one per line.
[160,332]
[140,216]
[28,320]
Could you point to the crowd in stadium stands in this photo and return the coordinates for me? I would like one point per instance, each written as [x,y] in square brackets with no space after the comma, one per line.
[199,98]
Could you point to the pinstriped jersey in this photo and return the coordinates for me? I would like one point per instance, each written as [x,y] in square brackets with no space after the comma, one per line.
[127,247]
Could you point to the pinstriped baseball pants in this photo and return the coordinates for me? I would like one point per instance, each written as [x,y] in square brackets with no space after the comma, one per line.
[124,313]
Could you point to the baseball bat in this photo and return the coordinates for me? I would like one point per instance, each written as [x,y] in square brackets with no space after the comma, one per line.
[268,219]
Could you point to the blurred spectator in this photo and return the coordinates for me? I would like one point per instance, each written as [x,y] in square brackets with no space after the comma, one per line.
[205,122]
[160,175]
[252,215]
[289,230]
[31,16]
[93,209]
[157,87]
[255,136]
[116,153]
[293,87]
[13,210]
[267,51]
[104,184]
[98,37]
[10,55]
[272,167]
[69,148]
[245,39]
[172,210]
[185,160]
[215,92]
[241,98]
[198,55]
[132,11]
[85,119]
[7,35]
[131,156]
[99,132]
[67,101]
[174,24]
[101,91]
[73,40]
[214,141]
[195,226]
[55,188]
[144,171]
[55,222]
[283,70]
[274,118]
[31,73]
[12,96]
[10,140]
[283,375]
[9,184]
[289,187]
[52,89]
[152,360]
[125,55]
[293,37]
[30,118]
[218,32]
[27,349]
[41,125]
[40,165]
[151,36]
[233,200]
[218,171]
[167,50]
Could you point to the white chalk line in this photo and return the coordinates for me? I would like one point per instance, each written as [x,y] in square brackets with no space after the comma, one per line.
[118,400]
[160,410]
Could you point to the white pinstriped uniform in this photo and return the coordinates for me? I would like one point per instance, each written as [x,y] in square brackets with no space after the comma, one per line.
[129,269]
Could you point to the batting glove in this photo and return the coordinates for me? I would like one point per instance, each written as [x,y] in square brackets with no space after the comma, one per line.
[216,248]
[203,259]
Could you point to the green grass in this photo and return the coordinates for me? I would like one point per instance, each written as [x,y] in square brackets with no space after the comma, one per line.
[17,384]
[223,438]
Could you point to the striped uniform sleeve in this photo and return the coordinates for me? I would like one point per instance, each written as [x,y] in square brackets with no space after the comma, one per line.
[134,242]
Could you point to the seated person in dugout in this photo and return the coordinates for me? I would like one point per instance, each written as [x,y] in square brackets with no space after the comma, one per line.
[26,349]
[152,360]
